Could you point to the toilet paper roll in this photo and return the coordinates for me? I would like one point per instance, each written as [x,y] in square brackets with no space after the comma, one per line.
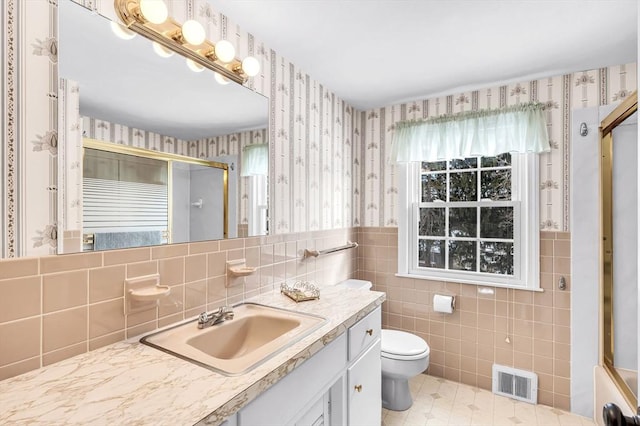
[443,303]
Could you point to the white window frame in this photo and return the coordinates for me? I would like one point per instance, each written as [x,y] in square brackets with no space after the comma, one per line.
[525,195]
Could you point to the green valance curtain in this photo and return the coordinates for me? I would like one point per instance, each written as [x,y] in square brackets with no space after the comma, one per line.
[517,129]
[255,160]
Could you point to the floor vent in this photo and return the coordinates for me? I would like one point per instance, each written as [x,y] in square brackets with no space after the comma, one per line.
[517,384]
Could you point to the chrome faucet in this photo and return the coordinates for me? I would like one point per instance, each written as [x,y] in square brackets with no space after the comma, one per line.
[207,319]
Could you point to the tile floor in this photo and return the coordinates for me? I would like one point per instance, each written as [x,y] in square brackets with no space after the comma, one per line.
[438,401]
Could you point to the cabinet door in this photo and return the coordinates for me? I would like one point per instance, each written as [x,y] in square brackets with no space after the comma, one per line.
[280,404]
[364,391]
[318,414]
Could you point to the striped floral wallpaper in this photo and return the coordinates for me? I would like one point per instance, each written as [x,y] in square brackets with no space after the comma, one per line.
[309,129]
[28,152]
[328,162]
[378,179]
[116,133]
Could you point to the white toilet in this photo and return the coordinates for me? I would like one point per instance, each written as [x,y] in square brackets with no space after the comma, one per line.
[404,355]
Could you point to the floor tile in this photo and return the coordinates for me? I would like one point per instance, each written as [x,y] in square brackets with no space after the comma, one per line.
[441,402]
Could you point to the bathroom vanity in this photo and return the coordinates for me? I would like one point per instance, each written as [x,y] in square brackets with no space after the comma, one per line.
[339,385]
[331,376]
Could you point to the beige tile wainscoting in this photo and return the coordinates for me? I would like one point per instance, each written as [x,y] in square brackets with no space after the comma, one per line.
[56,307]
[464,345]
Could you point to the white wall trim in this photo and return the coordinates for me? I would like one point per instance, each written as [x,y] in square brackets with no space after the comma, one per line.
[585,256]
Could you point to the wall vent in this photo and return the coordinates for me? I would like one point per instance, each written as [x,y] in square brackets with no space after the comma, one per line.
[517,384]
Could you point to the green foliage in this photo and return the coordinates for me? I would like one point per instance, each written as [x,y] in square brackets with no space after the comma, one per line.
[462,255]
[462,222]
[432,222]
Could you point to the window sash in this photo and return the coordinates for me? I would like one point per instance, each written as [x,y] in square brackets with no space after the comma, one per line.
[477,171]
[525,195]
[516,241]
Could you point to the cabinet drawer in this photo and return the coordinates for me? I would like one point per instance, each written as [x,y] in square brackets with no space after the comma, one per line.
[364,332]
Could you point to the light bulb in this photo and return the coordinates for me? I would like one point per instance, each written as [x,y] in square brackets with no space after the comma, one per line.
[161,50]
[194,66]
[250,66]
[221,79]
[193,32]
[224,50]
[154,11]
[122,31]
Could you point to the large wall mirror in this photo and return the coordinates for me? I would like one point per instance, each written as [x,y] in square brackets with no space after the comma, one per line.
[135,120]
[619,176]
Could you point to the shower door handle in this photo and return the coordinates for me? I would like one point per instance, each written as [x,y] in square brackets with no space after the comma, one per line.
[612,416]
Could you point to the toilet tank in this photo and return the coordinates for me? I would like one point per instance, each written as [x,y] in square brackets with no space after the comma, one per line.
[353,283]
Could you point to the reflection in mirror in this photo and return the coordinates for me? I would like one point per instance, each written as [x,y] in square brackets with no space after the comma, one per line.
[125,93]
[134,197]
[125,200]
[620,254]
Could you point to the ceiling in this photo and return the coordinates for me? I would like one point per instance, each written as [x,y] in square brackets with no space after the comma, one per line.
[374,53]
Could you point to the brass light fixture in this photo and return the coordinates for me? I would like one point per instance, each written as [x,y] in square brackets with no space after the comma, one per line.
[150,19]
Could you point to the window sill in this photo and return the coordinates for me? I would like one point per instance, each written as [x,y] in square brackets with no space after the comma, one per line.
[470,281]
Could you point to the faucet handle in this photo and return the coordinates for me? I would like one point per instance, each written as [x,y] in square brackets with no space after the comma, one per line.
[203,318]
[206,319]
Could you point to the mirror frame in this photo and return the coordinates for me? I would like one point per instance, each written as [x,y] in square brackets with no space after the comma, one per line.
[608,124]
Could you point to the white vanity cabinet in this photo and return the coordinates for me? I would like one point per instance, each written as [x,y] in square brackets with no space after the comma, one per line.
[339,385]
[364,374]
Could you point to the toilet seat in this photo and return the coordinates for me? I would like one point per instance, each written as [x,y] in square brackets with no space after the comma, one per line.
[403,346]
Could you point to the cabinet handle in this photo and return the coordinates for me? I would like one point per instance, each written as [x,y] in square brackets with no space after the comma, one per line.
[370,332]
[358,388]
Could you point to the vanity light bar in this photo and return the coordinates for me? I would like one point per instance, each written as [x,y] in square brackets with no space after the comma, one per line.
[168,33]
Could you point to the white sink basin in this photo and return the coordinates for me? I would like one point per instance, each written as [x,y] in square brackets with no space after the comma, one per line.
[238,345]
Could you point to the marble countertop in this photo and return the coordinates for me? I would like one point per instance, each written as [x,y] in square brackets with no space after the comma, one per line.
[137,384]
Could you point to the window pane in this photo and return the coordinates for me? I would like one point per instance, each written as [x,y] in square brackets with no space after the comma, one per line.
[501,160]
[431,253]
[496,222]
[462,222]
[462,255]
[432,222]
[463,163]
[463,186]
[434,187]
[496,258]
[434,166]
[495,184]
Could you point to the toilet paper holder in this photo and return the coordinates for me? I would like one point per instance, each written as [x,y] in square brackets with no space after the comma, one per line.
[444,303]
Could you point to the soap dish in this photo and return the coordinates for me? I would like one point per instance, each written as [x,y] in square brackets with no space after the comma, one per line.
[300,291]
[238,268]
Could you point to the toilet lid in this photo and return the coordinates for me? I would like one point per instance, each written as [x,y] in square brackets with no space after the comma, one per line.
[401,343]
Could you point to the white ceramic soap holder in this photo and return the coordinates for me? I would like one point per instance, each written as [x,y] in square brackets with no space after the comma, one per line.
[239,268]
[143,293]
